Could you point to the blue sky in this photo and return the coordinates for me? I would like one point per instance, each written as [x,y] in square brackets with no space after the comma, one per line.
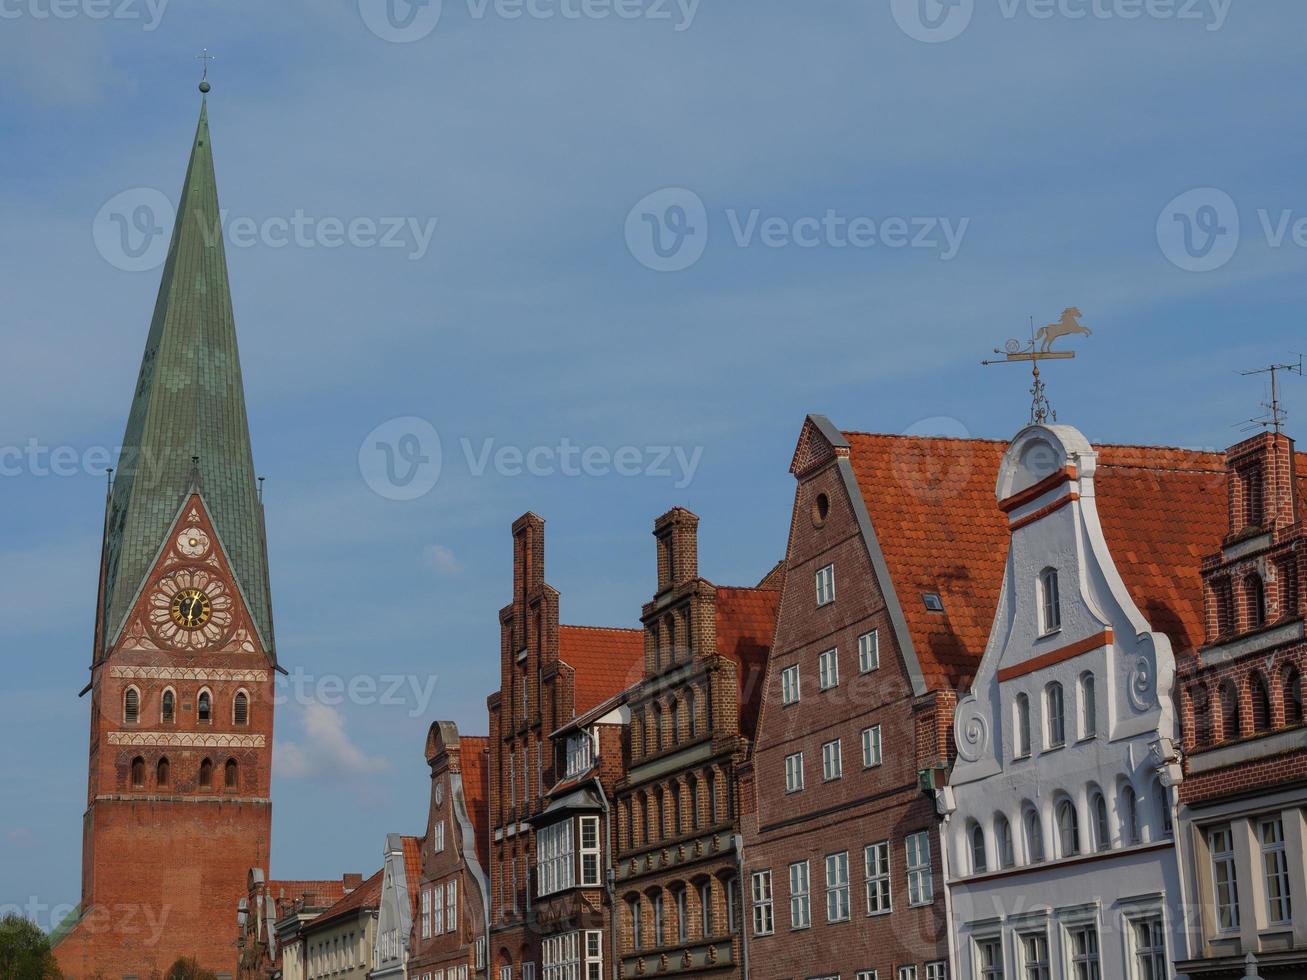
[1055,147]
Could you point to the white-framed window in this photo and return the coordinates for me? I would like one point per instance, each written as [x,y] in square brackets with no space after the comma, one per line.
[637,925]
[555,867]
[871,749]
[528,971]
[1275,863]
[1129,804]
[828,669]
[732,904]
[1088,706]
[875,858]
[921,885]
[560,957]
[581,753]
[1102,827]
[832,762]
[438,835]
[989,958]
[976,839]
[1007,857]
[1068,829]
[1021,723]
[790,685]
[426,913]
[1054,715]
[1225,884]
[937,970]
[437,910]
[825,585]
[869,651]
[589,828]
[594,955]
[867,975]
[1034,836]
[1148,949]
[451,905]
[1085,963]
[505,973]
[1035,964]
[800,899]
[837,887]
[1050,603]
[760,891]
[683,911]
[794,772]
[907,973]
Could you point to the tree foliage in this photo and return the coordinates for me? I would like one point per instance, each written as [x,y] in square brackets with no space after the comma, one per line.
[186,968]
[25,951]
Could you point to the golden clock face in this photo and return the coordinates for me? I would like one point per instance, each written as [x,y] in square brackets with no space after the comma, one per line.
[190,609]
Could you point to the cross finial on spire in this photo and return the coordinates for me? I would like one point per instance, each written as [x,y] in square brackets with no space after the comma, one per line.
[205,57]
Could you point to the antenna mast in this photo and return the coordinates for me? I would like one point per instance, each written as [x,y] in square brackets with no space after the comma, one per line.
[1274,419]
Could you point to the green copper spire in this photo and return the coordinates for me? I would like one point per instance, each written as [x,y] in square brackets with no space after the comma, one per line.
[187,428]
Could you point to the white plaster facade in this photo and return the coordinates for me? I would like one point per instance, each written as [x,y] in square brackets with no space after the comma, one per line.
[1057,833]
[394,916]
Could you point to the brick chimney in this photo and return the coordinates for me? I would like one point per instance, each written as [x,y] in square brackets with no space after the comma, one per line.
[677,534]
[1261,474]
[351,881]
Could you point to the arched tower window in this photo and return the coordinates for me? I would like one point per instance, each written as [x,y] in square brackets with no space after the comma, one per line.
[232,774]
[131,706]
[1261,699]
[205,706]
[162,772]
[1291,689]
[1255,601]
[168,707]
[138,772]
[206,772]
[1229,703]
[240,709]
[1200,703]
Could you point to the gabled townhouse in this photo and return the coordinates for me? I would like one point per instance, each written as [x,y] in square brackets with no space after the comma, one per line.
[1243,801]
[400,873]
[341,942]
[1058,813]
[880,622]
[447,938]
[549,674]
[679,808]
[269,919]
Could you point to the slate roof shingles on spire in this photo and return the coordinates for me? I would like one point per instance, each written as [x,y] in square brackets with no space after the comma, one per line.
[189,402]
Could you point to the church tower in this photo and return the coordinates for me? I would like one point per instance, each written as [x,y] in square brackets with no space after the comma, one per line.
[178,797]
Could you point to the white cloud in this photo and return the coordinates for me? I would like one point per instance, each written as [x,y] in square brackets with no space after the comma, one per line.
[440,558]
[325,749]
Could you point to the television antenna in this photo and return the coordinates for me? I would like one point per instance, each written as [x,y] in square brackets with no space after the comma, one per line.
[1275,414]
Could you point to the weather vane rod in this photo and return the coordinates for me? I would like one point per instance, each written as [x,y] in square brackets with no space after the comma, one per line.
[1015,350]
[205,57]
[1275,415]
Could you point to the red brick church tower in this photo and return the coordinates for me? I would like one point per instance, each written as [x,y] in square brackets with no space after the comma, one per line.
[178,803]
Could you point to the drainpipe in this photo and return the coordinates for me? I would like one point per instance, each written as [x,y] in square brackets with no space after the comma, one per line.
[610,880]
[944,805]
[739,891]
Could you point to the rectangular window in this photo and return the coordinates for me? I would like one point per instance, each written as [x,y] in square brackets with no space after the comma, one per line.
[825,585]
[637,923]
[1149,949]
[837,887]
[762,903]
[1084,953]
[555,869]
[589,850]
[790,685]
[437,910]
[1276,865]
[869,651]
[438,836]
[989,958]
[528,971]
[1050,618]
[832,763]
[800,899]
[937,970]
[426,913]
[794,772]
[876,859]
[921,886]
[866,975]
[907,973]
[1225,885]
[871,747]
[580,753]
[1034,956]
[594,955]
[828,666]
[451,905]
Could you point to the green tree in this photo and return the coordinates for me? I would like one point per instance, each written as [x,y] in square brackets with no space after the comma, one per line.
[25,951]
[186,968]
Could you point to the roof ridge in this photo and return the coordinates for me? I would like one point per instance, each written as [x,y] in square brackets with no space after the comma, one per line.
[610,629]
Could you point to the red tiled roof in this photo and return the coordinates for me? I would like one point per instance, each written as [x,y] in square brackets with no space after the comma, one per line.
[931,501]
[365,896]
[746,622]
[316,894]
[412,869]
[606,661]
[476,790]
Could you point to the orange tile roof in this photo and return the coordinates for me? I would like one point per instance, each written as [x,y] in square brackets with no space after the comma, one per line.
[365,896]
[606,661]
[316,894]
[932,505]
[412,869]
[746,622]
[476,791]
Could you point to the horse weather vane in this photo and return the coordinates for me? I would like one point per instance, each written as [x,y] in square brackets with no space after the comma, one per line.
[1039,348]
